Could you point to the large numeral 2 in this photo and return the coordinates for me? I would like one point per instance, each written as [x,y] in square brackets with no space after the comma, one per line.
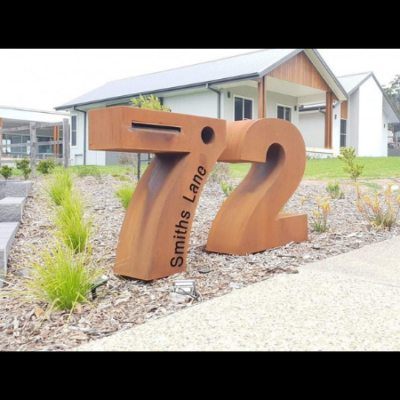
[250,221]
[155,234]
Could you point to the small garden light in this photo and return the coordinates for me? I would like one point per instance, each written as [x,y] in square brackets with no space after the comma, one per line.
[186,287]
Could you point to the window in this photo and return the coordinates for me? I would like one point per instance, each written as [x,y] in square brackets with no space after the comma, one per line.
[73,130]
[243,109]
[284,113]
[343,132]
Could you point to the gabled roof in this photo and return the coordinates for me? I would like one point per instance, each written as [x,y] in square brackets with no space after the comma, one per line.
[352,82]
[246,66]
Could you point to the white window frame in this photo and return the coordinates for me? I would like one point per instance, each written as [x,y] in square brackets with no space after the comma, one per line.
[286,106]
[74,147]
[244,98]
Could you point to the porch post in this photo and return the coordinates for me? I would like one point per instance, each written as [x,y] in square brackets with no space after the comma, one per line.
[1,139]
[66,142]
[265,96]
[262,98]
[54,139]
[32,134]
[328,120]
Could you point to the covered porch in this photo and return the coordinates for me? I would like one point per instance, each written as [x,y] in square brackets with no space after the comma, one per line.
[282,92]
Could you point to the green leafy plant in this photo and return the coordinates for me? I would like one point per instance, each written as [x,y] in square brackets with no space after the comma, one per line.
[227,188]
[88,170]
[149,103]
[125,194]
[6,171]
[381,209]
[59,185]
[73,229]
[46,166]
[23,166]
[334,191]
[348,156]
[319,216]
[61,279]
[122,178]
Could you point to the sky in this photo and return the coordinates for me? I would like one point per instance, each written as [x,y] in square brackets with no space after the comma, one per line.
[46,78]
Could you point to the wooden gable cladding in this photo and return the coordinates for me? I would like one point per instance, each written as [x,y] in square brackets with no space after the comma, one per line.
[344,110]
[300,70]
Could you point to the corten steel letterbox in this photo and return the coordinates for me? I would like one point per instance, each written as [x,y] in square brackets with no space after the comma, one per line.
[155,234]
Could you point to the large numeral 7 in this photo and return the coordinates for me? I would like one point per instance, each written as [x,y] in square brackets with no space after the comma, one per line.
[155,234]
[250,221]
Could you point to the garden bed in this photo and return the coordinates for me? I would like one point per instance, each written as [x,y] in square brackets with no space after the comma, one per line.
[123,303]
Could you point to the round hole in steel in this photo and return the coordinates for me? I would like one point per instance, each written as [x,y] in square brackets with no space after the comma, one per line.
[207,135]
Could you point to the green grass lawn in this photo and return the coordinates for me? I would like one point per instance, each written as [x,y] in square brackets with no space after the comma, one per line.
[374,168]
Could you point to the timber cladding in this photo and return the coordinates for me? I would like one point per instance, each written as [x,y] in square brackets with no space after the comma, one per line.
[344,110]
[302,71]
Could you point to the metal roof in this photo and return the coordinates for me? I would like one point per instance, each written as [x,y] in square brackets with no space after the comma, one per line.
[246,66]
[352,82]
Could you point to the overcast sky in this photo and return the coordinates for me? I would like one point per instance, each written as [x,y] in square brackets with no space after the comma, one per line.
[44,79]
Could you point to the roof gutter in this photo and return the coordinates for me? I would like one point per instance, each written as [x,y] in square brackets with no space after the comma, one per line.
[194,86]
[219,99]
[84,133]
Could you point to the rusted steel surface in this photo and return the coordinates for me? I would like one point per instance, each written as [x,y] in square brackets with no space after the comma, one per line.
[250,221]
[155,234]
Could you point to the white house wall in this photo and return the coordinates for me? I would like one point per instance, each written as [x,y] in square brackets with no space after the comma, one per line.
[248,92]
[335,129]
[385,134]
[92,157]
[353,121]
[370,123]
[312,127]
[204,104]
[77,151]
[273,99]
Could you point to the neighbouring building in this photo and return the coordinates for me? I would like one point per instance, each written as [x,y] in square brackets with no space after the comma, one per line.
[15,133]
[361,122]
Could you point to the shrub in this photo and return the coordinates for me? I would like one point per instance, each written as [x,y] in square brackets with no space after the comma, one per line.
[122,178]
[88,170]
[348,156]
[125,194]
[220,173]
[227,188]
[23,165]
[6,171]
[61,279]
[46,166]
[382,209]
[73,229]
[319,217]
[59,185]
[334,191]
[149,103]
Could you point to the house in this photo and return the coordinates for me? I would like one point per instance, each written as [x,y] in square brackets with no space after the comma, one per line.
[15,135]
[361,122]
[272,83]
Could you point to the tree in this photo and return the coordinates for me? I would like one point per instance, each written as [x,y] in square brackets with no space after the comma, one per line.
[149,103]
[393,92]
